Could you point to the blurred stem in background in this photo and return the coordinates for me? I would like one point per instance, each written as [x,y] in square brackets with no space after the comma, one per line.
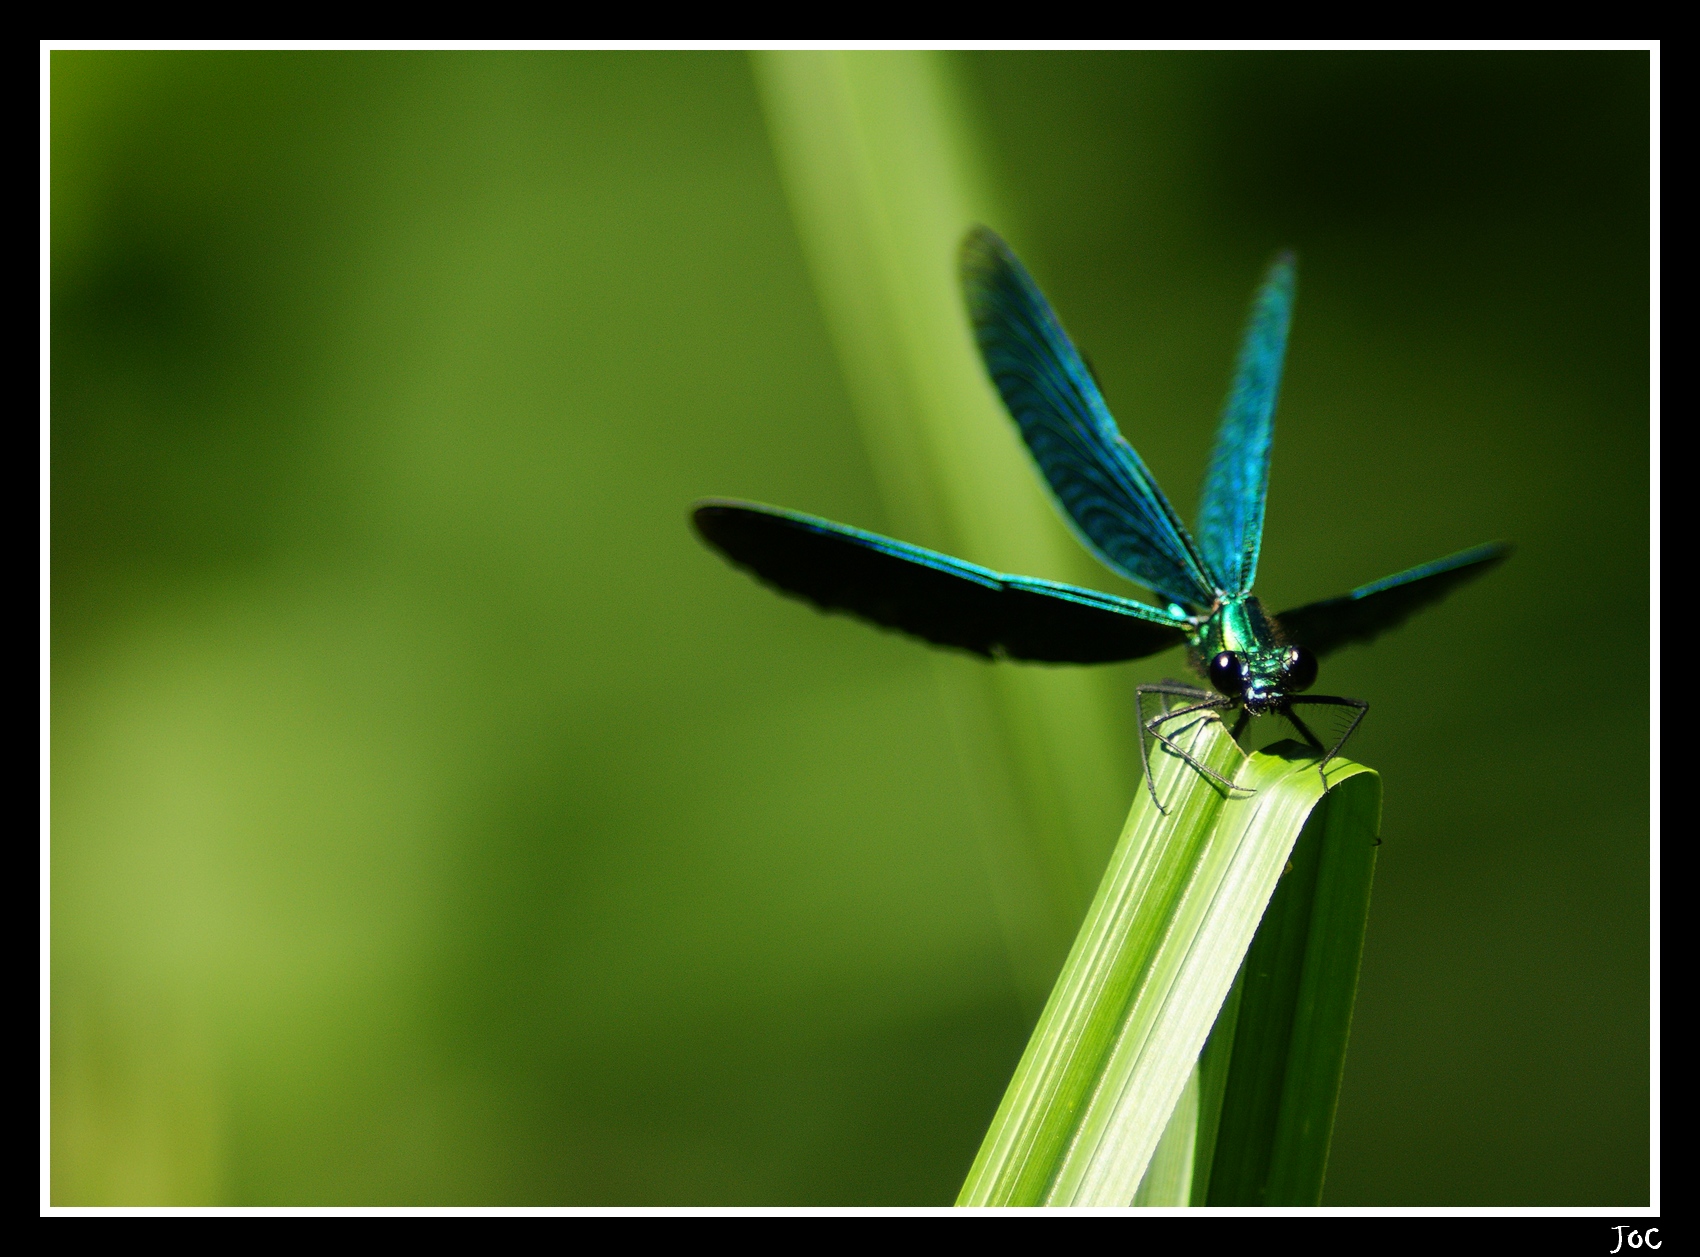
[885,173]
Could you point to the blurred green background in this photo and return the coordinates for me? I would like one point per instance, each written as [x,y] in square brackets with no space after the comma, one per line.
[436,821]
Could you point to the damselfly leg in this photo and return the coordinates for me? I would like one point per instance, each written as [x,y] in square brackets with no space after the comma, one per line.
[1203,701]
[1360,710]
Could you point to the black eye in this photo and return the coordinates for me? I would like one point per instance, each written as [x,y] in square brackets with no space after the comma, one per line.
[1298,669]
[1227,673]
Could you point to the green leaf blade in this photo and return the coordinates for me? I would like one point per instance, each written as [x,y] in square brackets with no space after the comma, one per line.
[1299,985]
[1328,993]
[1168,1178]
[1115,1049]
[1041,1113]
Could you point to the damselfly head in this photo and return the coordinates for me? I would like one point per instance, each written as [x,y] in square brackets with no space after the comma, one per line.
[1252,677]
[1261,679]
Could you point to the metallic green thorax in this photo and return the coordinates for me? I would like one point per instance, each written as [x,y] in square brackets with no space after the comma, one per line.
[1240,624]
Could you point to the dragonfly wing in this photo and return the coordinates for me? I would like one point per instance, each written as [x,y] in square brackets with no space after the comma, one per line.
[1366,613]
[1230,511]
[932,596]
[1103,487]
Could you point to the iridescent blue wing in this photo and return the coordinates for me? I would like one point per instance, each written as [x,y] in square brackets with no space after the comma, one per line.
[932,596]
[1230,509]
[1104,489]
[1366,613]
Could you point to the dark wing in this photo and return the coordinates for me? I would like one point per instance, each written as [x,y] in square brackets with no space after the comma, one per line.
[933,596]
[1104,489]
[1366,613]
[1230,509]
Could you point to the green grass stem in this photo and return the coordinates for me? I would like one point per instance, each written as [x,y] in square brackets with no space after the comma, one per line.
[1120,1076]
[1280,1078]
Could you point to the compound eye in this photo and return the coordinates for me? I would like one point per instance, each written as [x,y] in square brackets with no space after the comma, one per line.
[1227,674]
[1298,669]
